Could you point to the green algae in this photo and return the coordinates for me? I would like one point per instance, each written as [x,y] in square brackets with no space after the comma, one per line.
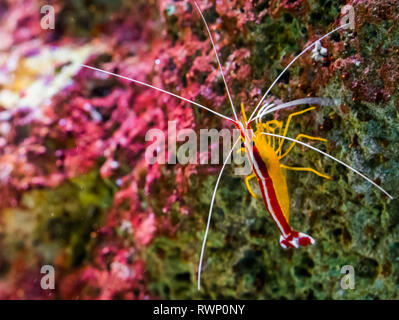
[271,40]
[59,221]
[352,222]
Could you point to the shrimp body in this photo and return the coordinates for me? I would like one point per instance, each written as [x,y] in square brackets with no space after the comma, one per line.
[272,183]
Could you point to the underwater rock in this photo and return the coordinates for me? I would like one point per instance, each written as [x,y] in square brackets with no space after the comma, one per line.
[78,194]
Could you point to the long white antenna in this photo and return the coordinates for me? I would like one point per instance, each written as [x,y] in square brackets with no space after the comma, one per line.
[319,101]
[217,57]
[333,158]
[289,65]
[159,89]
[210,215]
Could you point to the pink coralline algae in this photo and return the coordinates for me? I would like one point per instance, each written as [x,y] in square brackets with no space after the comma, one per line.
[94,117]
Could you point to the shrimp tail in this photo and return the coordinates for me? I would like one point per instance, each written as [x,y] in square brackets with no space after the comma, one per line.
[296,240]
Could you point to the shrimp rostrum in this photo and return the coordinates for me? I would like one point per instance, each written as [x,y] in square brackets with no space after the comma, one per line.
[265,145]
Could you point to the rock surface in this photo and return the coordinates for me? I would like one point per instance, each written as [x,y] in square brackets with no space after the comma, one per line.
[78,194]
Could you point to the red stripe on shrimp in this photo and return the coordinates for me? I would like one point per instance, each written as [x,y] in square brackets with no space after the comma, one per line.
[269,194]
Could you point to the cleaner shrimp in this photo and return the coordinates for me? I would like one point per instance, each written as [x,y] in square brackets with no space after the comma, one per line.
[264,148]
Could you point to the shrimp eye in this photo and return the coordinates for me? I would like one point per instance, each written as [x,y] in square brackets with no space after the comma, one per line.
[252,143]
